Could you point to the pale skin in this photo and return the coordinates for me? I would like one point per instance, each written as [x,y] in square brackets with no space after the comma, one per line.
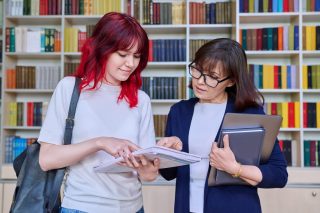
[120,66]
[220,158]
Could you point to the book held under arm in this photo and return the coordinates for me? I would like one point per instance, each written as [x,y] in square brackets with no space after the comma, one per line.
[168,158]
[251,139]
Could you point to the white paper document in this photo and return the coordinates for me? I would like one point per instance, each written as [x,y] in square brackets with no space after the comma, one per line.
[168,158]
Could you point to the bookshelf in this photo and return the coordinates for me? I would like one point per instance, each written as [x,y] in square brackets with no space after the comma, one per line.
[187,29]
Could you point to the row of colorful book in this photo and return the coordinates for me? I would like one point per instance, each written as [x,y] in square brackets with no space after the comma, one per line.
[163,12]
[311,77]
[311,37]
[167,50]
[75,37]
[268,6]
[311,115]
[266,76]
[160,122]
[91,7]
[32,39]
[33,77]
[14,146]
[289,150]
[290,112]
[210,13]
[310,5]
[33,7]
[194,45]
[311,151]
[272,38]
[26,113]
[70,68]
[164,87]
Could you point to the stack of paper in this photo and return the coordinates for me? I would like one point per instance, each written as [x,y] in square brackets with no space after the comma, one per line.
[168,158]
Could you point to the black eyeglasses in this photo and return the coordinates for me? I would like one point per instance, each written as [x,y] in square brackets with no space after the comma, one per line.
[208,79]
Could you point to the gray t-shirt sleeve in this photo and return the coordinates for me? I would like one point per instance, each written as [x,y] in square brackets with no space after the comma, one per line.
[52,129]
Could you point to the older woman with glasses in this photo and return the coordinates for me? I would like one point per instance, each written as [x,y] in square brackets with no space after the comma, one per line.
[221,84]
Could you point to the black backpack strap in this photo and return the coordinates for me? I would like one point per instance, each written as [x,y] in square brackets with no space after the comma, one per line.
[58,174]
[72,112]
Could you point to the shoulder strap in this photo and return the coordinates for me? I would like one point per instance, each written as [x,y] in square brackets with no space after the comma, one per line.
[55,177]
[72,112]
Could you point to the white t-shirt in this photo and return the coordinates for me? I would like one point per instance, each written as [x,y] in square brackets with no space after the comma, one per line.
[205,124]
[99,114]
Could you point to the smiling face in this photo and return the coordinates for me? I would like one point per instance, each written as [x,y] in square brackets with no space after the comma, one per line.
[207,94]
[121,64]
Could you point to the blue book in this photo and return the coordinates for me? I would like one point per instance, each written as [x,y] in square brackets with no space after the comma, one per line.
[241,6]
[296,37]
[280,6]
[275,6]
[256,76]
[317,6]
[289,84]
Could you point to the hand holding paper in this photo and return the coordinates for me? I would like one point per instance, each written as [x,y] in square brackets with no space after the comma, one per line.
[168,158]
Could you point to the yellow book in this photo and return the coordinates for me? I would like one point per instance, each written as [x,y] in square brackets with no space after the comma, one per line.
[284,109]
[297,114]
[117,6]
[13,113]
[304,77]
[291,37]
[251,6]
[318,114]
[267,76]
[308,37]
[313,37]
[264,76]
[66,40]
[74,39]
[269,109]
[271,76]
[284,77]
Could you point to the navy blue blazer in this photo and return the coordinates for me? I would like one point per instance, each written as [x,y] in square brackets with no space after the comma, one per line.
[226,199]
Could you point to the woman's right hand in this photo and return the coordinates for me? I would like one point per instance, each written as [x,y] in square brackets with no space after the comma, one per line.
[171,142]
[116,147]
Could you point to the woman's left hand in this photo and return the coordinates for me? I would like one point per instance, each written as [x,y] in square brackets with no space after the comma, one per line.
[148,170]
[223,158]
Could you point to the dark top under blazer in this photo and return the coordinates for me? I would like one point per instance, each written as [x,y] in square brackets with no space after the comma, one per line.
[218,199]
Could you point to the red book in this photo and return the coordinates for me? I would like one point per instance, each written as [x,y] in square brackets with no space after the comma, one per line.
[259,39]
[305,115]
[46,9]
[313,153]
[281,145]
[291,115]
[275,77]
[285,5]
[150,58]
[273,108]
[30,113]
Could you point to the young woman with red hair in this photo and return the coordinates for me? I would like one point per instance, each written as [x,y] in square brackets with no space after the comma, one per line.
[113,118]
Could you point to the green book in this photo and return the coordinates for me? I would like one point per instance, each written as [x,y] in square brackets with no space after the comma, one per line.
[306,152]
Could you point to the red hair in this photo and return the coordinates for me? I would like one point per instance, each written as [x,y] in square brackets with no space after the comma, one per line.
[114,31]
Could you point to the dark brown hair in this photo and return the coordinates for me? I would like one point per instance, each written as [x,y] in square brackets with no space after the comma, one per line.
[229,54]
